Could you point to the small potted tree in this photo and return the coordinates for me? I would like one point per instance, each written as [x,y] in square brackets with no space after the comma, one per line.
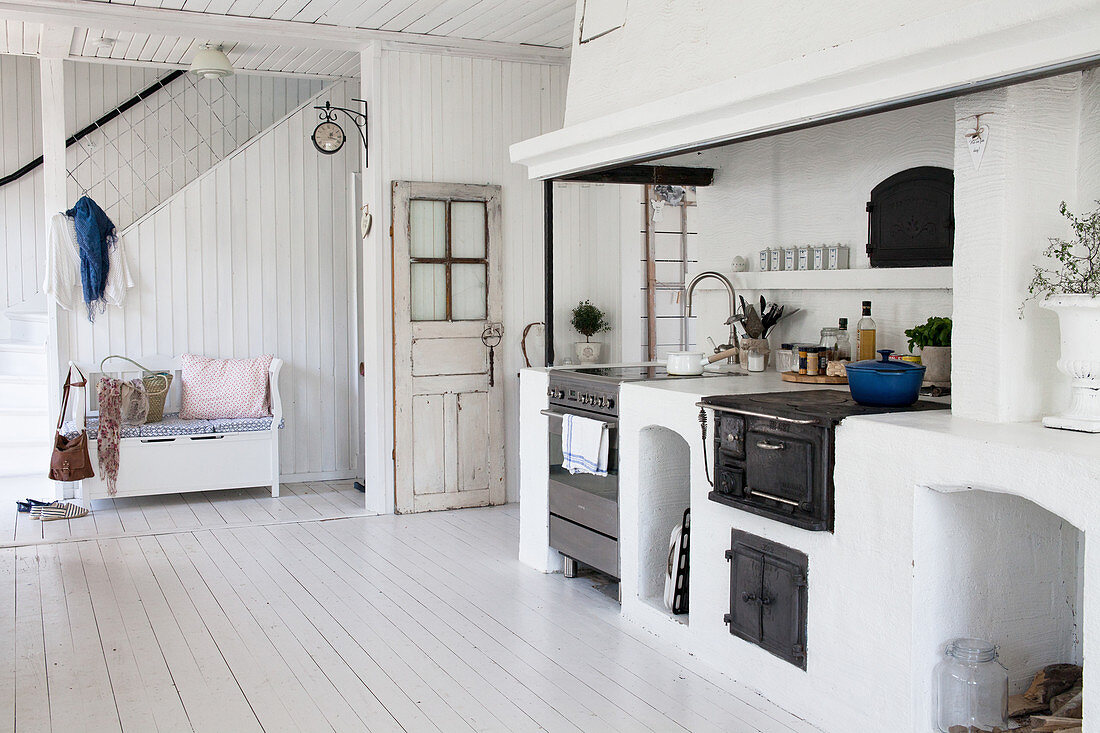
[933,338]
[1070,289]
[588,320]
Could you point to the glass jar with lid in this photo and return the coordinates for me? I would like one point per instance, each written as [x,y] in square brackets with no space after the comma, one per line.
[828,342]
[969,688]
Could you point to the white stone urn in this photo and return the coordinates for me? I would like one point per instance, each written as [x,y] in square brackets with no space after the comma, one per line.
[1079,322]
[588,352]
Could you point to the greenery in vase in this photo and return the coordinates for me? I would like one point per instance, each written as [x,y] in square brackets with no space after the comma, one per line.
[588,320]
[935,332]
[1076,268]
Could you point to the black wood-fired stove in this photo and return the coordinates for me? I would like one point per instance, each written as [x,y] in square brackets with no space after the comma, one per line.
[774,452]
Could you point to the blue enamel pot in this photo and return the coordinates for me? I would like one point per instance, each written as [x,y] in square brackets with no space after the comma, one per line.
[885,383]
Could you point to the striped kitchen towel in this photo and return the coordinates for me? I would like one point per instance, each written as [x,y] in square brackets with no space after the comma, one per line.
[584,445]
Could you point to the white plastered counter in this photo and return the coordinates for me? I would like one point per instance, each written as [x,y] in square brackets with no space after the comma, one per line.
[883,593]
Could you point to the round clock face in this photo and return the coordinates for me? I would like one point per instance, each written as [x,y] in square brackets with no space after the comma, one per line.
[328,137]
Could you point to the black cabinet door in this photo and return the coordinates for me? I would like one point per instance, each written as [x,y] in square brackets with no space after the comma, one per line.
[768,595]
[746,576]
[783,610]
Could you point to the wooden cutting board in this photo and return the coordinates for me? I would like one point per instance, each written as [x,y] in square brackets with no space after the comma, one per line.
[812,378]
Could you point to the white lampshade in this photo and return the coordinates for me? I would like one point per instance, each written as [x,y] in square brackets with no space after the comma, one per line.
[211,63]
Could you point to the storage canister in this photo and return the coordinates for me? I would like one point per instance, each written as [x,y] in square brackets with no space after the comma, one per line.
[969,688]
[784,359]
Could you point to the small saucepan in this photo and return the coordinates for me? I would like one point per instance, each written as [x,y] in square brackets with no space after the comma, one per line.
[885,383]
[691,363]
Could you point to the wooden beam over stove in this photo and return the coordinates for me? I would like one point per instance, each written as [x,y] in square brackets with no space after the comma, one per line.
[671,175]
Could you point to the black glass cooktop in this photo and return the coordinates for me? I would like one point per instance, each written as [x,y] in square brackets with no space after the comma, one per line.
[824,404]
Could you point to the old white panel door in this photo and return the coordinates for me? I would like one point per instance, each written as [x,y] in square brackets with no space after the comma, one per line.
[448,419]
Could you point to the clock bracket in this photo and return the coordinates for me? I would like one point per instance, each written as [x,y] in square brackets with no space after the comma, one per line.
[330,113]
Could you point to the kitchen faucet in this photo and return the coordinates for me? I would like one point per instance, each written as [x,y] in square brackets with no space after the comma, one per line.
[729,289]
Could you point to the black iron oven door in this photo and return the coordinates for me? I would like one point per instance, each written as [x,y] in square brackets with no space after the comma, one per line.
[779,470]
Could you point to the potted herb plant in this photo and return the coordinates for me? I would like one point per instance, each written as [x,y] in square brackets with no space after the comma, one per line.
[1070,288]
[588,320]
[933,338]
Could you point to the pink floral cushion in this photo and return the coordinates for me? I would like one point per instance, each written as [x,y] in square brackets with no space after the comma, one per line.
[224,388]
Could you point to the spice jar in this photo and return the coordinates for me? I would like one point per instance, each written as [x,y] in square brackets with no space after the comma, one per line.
[803,359]
[969,688]
[822,360]
[813,361]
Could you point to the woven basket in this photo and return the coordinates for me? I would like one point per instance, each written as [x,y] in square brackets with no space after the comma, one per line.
[157,385]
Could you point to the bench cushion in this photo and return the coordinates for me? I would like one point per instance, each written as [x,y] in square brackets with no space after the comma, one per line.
[173,425]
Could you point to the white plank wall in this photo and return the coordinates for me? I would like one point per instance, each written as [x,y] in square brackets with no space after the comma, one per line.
[22,219]
[451,119]
[137,161]
[255,256]
[166,141]
[587,232]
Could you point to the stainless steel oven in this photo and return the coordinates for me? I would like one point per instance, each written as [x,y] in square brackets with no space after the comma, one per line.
[584,508]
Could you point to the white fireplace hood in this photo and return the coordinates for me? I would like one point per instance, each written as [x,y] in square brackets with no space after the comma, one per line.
[984,44]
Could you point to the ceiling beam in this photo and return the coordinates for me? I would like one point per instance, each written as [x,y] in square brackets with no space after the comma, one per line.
[211,27]
[55,41]
[653,175]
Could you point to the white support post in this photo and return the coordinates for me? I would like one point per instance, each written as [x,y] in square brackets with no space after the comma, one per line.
[1004,212]
[377,315]
[52,72]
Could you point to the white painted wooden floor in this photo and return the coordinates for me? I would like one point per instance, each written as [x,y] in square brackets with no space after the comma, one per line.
[172,512]
[387,623]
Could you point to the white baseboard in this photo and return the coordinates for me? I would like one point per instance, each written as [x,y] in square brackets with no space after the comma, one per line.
[294,478]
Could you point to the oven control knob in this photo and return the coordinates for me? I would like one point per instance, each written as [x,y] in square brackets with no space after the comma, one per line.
[603,402]
[560,393]
[549,392]
[584,399]
[610,403]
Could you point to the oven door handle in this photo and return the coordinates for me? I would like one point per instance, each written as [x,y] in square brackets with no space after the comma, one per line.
[747,413]
[754,492]
[768,445]
[608,422]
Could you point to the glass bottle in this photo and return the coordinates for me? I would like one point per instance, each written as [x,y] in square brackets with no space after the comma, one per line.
[843,344]
[969,688]
[828,342]
[865,335]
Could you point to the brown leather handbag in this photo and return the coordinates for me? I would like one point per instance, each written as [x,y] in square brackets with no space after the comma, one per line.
[70,460]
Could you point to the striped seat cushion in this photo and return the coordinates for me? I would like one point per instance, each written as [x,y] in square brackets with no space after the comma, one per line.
[173,425]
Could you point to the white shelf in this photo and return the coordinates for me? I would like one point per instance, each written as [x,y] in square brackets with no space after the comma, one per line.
[891,278]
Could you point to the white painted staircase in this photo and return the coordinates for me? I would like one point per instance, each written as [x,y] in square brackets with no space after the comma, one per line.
[25,426]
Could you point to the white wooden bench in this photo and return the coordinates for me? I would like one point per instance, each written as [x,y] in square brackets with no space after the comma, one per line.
[176,455]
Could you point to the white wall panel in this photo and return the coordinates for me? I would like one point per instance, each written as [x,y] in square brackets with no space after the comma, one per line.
[451,119]
[163,143]
[22,218]
[138,159]
[255,256]
[811,187]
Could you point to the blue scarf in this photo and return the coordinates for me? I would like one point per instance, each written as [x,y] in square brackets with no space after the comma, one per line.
[95,233]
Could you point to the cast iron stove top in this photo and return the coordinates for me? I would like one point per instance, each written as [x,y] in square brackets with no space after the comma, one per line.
[827,406]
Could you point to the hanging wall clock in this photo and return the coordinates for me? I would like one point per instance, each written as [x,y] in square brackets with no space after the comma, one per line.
[328,137]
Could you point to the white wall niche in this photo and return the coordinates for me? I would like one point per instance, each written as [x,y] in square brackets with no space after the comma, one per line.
[996,566]
[664,492]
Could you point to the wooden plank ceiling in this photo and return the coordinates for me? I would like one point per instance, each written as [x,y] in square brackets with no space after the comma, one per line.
[538,23]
